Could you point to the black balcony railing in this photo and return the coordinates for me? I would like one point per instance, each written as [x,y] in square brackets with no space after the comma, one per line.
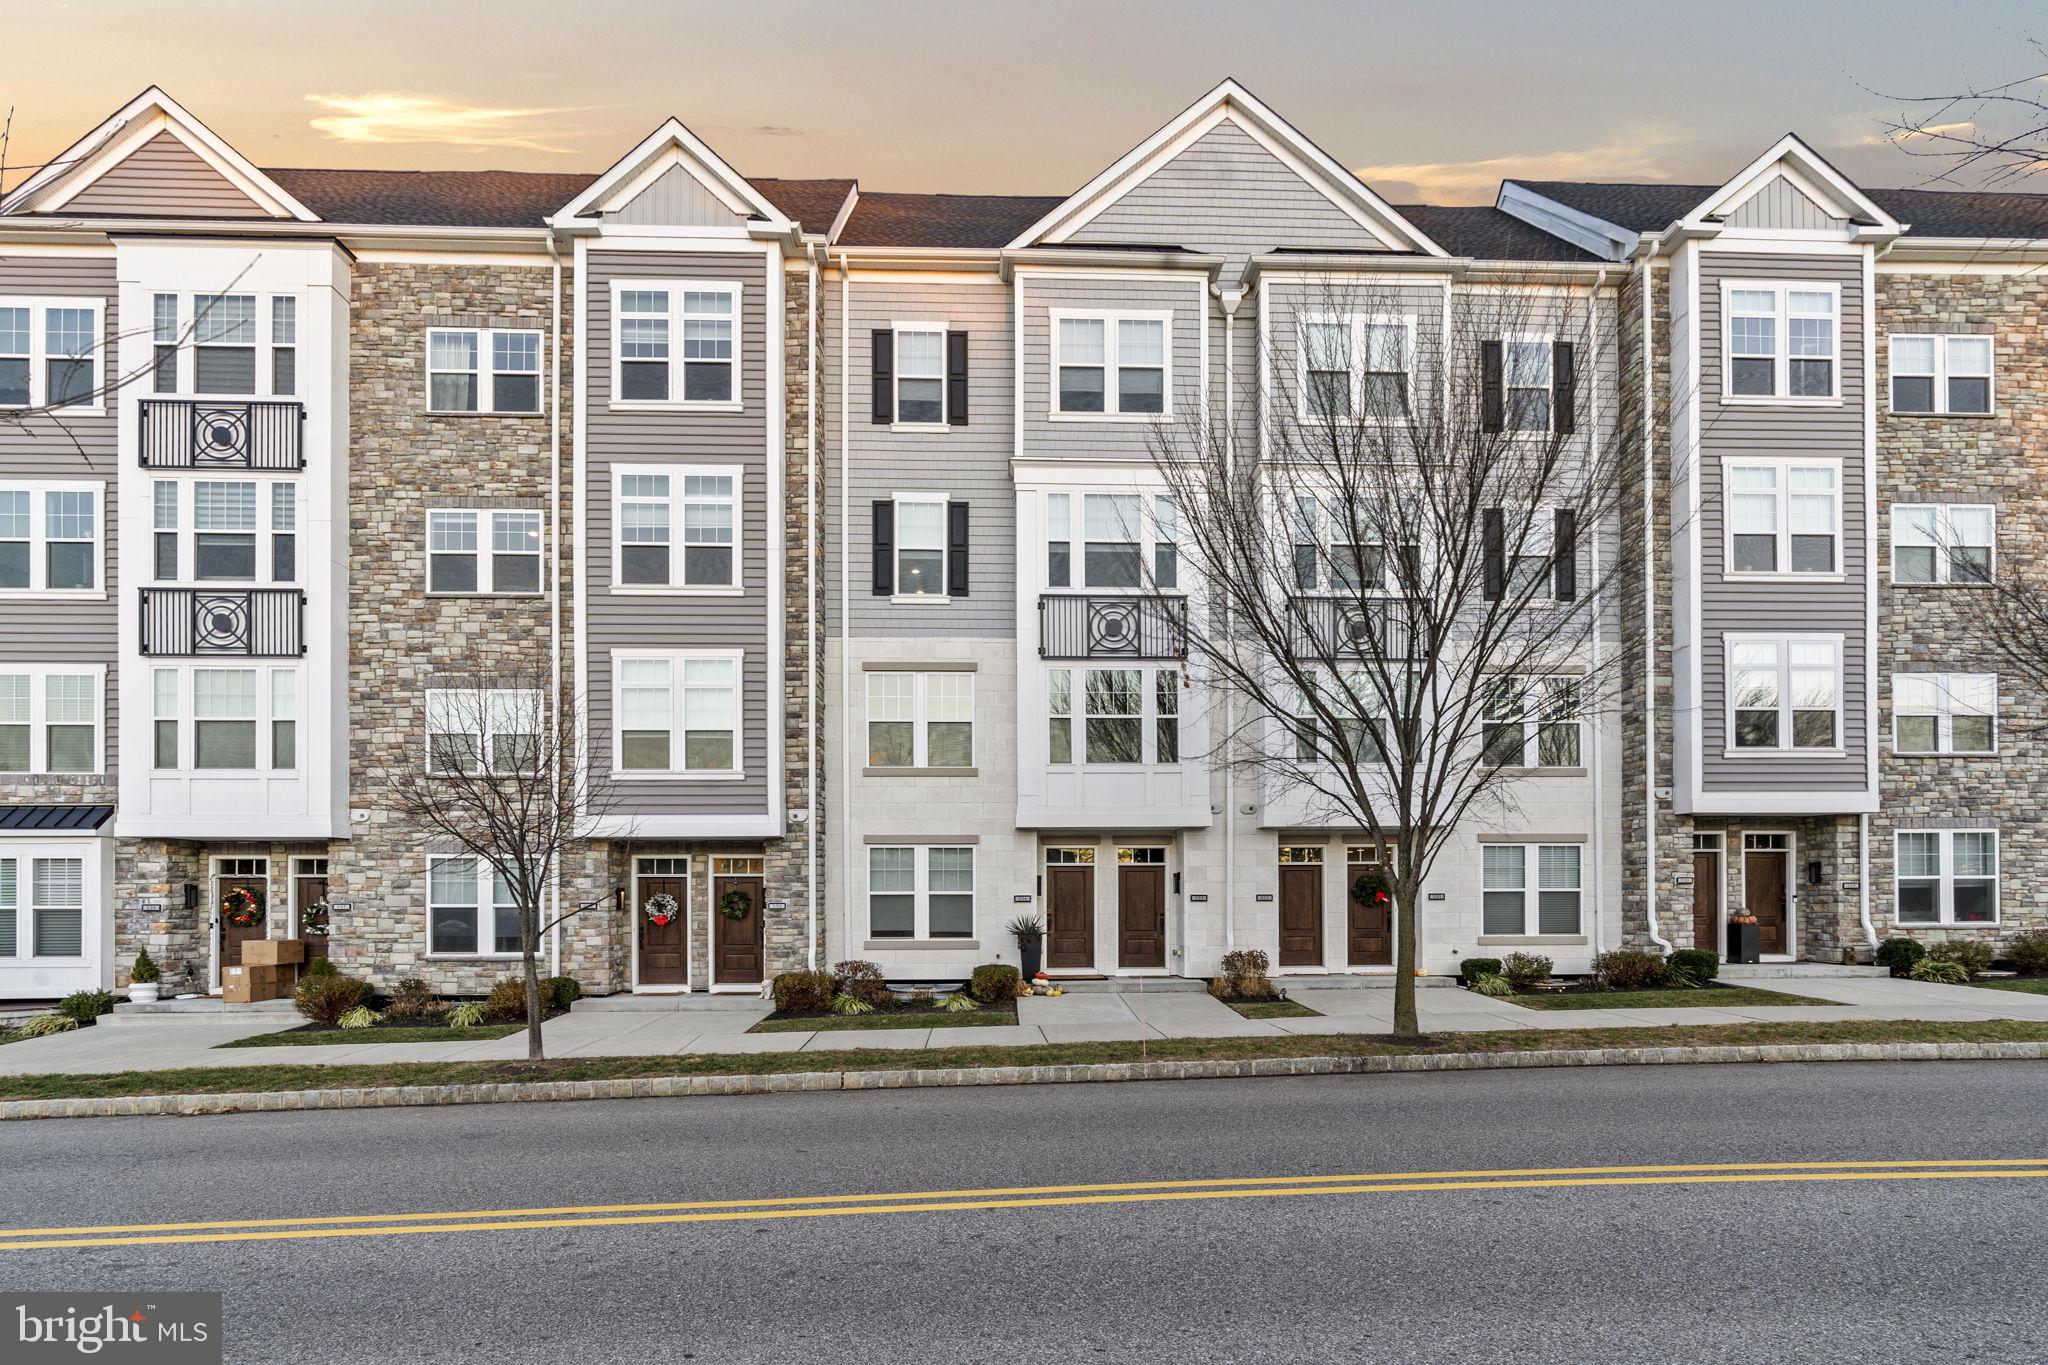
[1337,627]
[1138,626]
[184,433]
[250,623]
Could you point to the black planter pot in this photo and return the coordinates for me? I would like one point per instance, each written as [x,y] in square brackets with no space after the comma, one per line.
[1744,943]
[1028,950]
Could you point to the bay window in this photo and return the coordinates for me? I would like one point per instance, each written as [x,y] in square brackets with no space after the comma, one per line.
[920,891]
[471,910]
[1941,375]
[1110,364]
[1944,713]
[240,531]
[1784,516]
[240,345]
[1124,715]
[1939,543]
[1529,889]
[1124,537]
[1785,692]
[50,718]
[677,713]
[652,502]
[1947,876]
[224,719]
[1783,340]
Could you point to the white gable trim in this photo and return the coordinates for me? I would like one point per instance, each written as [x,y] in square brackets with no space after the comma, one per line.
[78,166]
[670,145]
[1811,175]
[1230,101]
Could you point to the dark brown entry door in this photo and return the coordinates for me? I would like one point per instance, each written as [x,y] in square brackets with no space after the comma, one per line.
[1372,928]
[1706,902]
[738,945]
[1301,916]
[1764,894]
[665,948]
[1141,916]
[1070,903]
[232,935]
[311,891]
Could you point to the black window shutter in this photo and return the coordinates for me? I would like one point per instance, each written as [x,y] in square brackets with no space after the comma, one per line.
[1494,543]
[956,549]
[956,379]
[885,545]
[1564,378]
[884,376]
[1564,554]
[1492,393]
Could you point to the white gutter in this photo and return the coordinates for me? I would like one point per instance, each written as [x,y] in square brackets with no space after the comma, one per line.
[1229,296]
[555,559]
[845,592]
[811,605]
[1649,629]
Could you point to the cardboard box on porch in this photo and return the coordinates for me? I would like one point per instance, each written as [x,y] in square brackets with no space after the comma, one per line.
[273,952]
[245,985]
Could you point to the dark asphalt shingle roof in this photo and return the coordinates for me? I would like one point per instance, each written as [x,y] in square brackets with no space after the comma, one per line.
[813,203]
[944,220]
[44,818]
[1929,213]
[433,198]
[1486,233]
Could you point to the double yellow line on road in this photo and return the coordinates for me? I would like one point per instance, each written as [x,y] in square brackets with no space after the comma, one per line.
[1008,1197]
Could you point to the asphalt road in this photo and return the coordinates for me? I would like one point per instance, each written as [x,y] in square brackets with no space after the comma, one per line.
[1753,1270]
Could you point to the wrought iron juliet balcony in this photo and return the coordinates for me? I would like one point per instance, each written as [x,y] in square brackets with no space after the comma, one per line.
[1337,627]
[1133,626]
[186,433]
[247,623]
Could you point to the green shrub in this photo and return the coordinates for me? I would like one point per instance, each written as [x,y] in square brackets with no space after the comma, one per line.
[861,980]
[2029,951]
[1524,970]
[1899,955]
[411,998]
[325,998]
[86,1006]
[1941,971]
[466,1015]
[322,966]
[1244,976]
[994,982]
[1693,966]
[1493,984]
[1472,968]
[1972,955]
[362,1016]
[851,1004]
[561,991]
[803,992]
[43,1025]
[955,1004]
[507,999]
[145,969]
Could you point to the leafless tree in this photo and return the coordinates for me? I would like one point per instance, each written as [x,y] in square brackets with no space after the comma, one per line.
[1398,560]
[1977,135]
[508,779]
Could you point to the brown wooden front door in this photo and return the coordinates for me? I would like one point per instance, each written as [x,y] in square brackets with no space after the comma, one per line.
[1070,905]
[1372,925]
[1141,916]
[311,891]
[1706,902]
[232,935]
[737,945]
[665,948]
[1764,893]
[1301,916]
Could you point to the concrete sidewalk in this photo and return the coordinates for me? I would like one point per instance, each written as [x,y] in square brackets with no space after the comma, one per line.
[1074,1018]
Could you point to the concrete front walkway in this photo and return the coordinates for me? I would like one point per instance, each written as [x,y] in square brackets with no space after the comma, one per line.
[1073,1018]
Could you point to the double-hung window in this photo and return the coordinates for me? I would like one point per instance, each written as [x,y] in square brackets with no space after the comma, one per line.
[1532,722]
[52,891]
[653,503]
[240,530]
[1125,537]
[1529,381]
[920,720]
[1784,516]
[484,730]
[662,323]
[1943,543]
[1784,692]
[1340,718]
[1110,364]
[920,891]
[483,551]
[225,719]
[920,375]
[50,719]
[1124,715]
[484,370]
[50,353]
[225,345]
[471,910]
[1945,713]
[1783,340]
[1339,547]
[49,538]
[1947,876]
[678,713]
[1356,366]
[1941,375]
[1529,889]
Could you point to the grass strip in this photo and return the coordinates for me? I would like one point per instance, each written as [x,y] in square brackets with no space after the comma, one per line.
[1273,1009]
[2025,985]
[833,1023]
[349,1037]
[220,1080]
[1708,997]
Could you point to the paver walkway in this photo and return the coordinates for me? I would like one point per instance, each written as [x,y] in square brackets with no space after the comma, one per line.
[1079,1017]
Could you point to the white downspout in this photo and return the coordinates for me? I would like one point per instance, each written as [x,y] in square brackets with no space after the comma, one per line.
[1649,632]
[1863,881]
[845,594]
[811,608]
[1599,620]
[555,563]
[1229,298]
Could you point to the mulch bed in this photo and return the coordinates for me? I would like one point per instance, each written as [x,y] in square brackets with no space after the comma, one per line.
[904,1014]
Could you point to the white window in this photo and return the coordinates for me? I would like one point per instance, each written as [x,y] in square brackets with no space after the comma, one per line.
[225,345]
[50,538]
[1111,364]
[1529,889]
[1945,713]
[483,370]
[225,719]
[678,713]
[920,545]
[475,730]
[1352,720]
[284,345]
[920,720]
[1123,537]
[652,502]
[1941,374]
[224,530]
[50,353]
[1532,722]
[652,318]
[1356,366]
[1784,516]
[1126,715]
[920,375]
[467,900]
[1338,548]
[1947,876]
[920,891]
[1528,382]
[1943,543]
[52,892]
[50,718]
[483,551]
[1784,692]
[1784,340]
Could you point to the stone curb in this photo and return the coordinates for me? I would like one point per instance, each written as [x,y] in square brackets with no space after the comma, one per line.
[666,1087]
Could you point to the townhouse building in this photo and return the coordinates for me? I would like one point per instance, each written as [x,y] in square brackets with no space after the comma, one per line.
[835,515]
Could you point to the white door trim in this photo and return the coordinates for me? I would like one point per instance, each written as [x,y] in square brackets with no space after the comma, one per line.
[1791,855]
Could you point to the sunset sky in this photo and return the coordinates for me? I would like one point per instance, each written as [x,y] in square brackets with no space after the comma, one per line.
[1433,102]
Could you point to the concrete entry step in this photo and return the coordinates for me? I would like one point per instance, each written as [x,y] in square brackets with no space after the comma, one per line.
[1125,985]
[1348,981]
[1767,971]
[694,1000]
[206,1009]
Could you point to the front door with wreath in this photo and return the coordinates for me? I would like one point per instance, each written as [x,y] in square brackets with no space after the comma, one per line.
[244,904]
[664,931]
